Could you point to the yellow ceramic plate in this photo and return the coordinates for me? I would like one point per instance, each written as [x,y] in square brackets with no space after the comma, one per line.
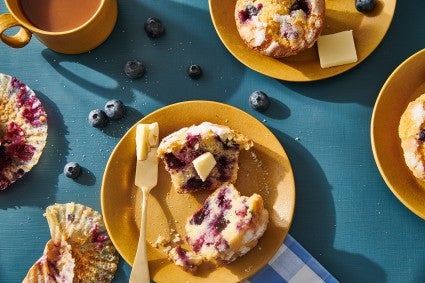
[404,85]
[265,169]
[368,30]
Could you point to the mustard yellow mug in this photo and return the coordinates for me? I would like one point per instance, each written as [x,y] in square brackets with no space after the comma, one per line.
[75,32]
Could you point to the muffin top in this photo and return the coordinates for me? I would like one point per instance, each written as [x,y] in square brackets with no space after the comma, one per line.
[279,28]
[412,135]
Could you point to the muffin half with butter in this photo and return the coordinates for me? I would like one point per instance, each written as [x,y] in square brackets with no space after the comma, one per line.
[202,157]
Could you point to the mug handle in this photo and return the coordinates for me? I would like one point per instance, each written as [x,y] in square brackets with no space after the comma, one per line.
[20,39]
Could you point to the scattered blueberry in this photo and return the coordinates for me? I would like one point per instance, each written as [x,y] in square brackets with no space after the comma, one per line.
[134,69]
[365,5]
[115,109]
[259,101]
[194,71]
[154,27]
[72,170]
[98,118]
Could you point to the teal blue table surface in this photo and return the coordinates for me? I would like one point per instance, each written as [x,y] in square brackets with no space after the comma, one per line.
[345,215]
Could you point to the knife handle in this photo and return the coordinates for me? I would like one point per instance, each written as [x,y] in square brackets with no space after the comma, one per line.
[140,270]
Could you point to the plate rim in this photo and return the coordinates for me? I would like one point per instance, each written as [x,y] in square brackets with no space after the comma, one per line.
[403,65]
[296,78]
[218,104]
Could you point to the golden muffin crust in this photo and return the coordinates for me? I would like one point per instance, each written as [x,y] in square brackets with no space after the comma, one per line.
[279,28]
[412,135]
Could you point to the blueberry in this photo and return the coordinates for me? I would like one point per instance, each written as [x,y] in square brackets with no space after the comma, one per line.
[421,135]
[301,5]
[249,12]
[115,109]
[365,5]
[259,101]
[154,27]
[134,69]
[72,170]
[98,118]
[194,71]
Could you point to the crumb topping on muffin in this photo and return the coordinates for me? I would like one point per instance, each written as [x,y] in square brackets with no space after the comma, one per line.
[279,28]
[411,131]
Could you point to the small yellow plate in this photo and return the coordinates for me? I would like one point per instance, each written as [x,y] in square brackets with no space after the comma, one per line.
[341,15]
[404,85]
[265,169]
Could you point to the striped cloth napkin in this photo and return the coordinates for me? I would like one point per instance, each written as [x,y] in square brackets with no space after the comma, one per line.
[292,263]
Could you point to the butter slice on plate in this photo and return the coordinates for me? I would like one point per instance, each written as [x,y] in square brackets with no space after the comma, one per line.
[336,49]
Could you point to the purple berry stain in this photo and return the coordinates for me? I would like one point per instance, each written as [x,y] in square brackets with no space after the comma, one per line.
[173,162]
[192,140]
[249,12]
[200,215]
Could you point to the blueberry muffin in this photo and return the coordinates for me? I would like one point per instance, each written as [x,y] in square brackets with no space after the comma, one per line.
[179,149]
[279,28]
[227,226]
[411,131]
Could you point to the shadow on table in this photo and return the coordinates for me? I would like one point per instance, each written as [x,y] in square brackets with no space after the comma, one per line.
[358,83]
[120,127]
[51,162]
[364,93]
[166,58]
[315,218]
[277,110]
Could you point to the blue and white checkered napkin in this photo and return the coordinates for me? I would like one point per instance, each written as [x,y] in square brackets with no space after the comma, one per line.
[292,263]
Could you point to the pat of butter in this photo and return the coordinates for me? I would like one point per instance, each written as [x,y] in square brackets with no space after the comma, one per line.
[336,49]
[146,138]
[204,164]
[153,136]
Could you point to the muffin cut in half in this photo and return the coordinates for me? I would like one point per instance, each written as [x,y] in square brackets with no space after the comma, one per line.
[227,226]
[179,149]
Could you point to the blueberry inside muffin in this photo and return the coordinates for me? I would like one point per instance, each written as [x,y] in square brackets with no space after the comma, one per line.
[227,225]
[179,149]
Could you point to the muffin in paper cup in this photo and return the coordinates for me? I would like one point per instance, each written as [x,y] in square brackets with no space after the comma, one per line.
[23,129]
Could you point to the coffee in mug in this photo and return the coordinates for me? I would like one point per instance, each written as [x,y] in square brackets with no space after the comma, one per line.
[65,26]
[59,15]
